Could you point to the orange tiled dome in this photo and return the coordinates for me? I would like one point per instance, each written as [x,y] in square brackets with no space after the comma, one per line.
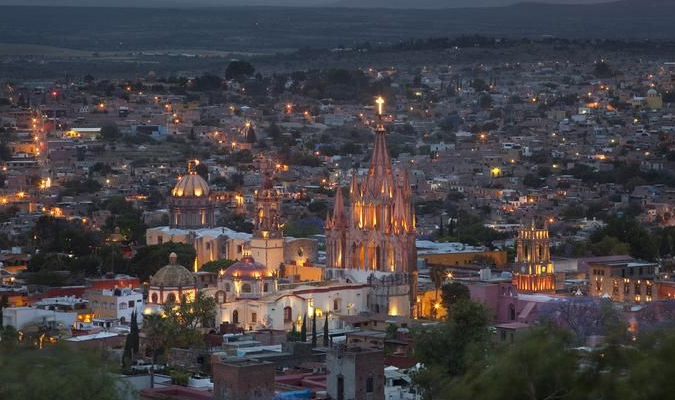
[247,268]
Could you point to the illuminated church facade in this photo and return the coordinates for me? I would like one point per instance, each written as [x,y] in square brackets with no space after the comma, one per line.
[533,271]
[373,240]
[191,221]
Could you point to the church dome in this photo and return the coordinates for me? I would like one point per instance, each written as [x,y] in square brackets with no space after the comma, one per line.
[191,185]
[652,92]
[173,275]
[247,268]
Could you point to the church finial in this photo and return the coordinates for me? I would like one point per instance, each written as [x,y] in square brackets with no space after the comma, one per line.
[192,166]
[380,103]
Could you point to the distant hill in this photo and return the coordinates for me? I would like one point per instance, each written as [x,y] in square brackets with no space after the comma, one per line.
[445,4]
[400,4]
[279,29]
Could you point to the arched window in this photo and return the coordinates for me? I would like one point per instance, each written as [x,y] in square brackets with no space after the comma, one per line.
[336,304]
[235,317]
[266,287]
[171,298]
[512,312]
[288,314]
[227,287]
[246,288]
[154,298]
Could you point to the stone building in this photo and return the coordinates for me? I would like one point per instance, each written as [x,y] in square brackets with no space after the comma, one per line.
[355,373]
[624,282]
[243,379]
[170,283]
[533,271]
[191,204]
[374,239]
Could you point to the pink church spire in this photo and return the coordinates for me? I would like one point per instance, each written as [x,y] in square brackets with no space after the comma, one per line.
[339,219]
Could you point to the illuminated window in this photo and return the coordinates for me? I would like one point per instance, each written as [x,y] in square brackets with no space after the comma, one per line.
[246,288]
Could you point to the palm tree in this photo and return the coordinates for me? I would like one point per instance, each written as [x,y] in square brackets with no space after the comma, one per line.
[437,276]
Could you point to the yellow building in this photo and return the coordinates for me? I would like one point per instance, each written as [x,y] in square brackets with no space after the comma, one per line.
[453,259]
[654,100]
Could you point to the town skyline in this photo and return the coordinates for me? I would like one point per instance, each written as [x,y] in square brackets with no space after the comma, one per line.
[336,203]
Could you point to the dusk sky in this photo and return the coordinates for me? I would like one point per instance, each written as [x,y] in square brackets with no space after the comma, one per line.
[394,3]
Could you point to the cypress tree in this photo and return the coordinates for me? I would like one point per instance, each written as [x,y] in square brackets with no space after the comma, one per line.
[303,329]
[134,333]
[293,336]
[325,332]
[314,329]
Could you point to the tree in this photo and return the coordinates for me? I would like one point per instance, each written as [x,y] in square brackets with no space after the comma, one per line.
[584,317]
[58,373]
[148,260]
[603,70]
[532,181]
[133,331]
[127,355]
[314,338]
[294,335]
[185,317]
[4,303]
[303,329]
[325,332]
[239,71]
[437,277]
[485,101]
[156,331]
[448,349]
[217,265]
[452,293]
[110,132]
[537,367]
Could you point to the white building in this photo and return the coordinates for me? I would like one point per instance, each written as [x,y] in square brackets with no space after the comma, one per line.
[23,317]
[116,304]
[249,295]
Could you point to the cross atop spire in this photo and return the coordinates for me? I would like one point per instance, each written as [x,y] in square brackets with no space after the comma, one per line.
[380,104]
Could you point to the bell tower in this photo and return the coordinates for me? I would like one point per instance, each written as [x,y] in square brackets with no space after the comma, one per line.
[267,242]
[533,272]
